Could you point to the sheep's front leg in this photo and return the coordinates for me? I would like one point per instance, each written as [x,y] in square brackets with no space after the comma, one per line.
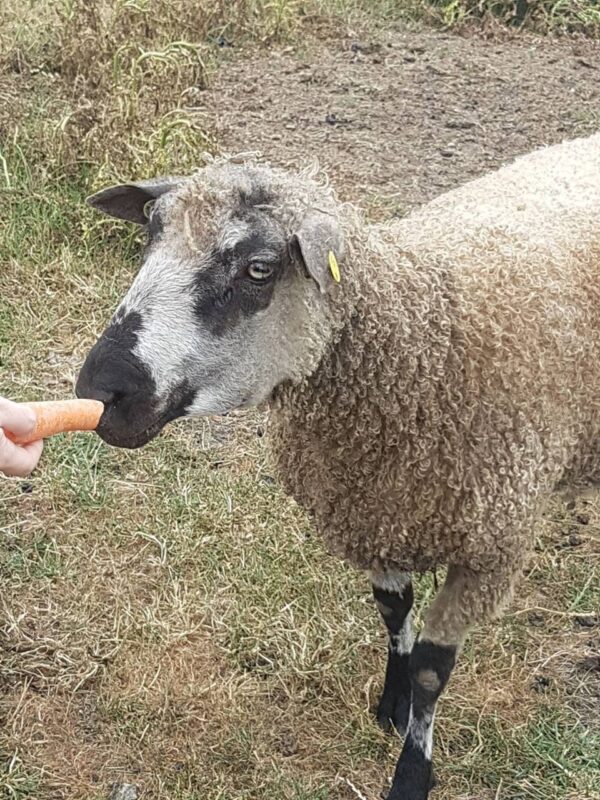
[465,598]
[393,594]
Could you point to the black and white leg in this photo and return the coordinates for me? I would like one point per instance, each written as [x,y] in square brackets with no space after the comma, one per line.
[430,668]
[393,594]
[467,597]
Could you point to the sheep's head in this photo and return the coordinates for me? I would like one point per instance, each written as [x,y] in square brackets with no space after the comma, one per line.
[231,299]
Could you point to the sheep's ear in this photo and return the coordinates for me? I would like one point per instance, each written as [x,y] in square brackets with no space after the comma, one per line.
[319,242]
[129,200]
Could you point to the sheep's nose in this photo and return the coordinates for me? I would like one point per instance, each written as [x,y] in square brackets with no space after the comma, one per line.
[112,375]
[98,381]
[83,389]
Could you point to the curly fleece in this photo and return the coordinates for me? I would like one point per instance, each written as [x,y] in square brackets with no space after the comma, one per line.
[461,380]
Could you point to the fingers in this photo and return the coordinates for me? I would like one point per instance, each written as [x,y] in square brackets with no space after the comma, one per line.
[16,417]
[18,460]
[20,420]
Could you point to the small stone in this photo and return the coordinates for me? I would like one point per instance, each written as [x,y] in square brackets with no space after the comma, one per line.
[586,621]
[584,62]
[124,791]
[447,152]
[582,519]
[536,619]
[221,41]
[590,663]
[364,47]
[27,487]
[574,539]
[331,119]
[460,124]
[540,683]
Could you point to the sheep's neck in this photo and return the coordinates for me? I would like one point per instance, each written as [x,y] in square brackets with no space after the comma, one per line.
[377,396]
[393,333]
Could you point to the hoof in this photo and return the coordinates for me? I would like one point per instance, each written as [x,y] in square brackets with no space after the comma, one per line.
[414,778]
[410,789]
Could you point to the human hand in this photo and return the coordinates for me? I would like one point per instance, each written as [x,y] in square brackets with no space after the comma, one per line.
[17,460]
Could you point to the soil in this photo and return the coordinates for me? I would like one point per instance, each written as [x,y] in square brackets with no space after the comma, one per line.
[397,118]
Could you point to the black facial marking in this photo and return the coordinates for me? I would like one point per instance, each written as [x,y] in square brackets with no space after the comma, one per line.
[114,374]
[394,705]
[258,195]
[112,370]
[180,399]
[223,291]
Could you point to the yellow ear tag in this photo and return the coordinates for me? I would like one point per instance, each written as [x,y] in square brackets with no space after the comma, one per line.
[333,266]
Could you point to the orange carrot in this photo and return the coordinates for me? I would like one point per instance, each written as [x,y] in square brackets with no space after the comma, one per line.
[58,416]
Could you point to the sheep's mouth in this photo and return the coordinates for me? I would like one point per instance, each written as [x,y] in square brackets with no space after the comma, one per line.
[132,425]
[131,431]
[132,441]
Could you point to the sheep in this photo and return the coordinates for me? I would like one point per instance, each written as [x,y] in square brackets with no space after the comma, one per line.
[429,380]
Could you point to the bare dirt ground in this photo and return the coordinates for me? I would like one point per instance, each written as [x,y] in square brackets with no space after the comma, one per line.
[406,115]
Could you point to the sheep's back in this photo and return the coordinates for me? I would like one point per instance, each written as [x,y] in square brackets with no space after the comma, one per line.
[467,382]
[524,245]
[549,198]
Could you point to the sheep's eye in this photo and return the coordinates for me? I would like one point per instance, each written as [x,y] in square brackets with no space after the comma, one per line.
[259,271]
[148,209]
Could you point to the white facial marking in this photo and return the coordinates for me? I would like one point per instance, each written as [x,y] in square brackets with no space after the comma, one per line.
[168,335]
[233,233]
[189,236]
[175,345]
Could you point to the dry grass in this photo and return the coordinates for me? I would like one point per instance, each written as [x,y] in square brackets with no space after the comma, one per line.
[545,16]
[168,619]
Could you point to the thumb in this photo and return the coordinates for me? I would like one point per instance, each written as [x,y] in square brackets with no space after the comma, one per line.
[18,418]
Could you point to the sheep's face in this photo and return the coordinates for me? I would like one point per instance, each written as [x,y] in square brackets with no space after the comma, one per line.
[227,305]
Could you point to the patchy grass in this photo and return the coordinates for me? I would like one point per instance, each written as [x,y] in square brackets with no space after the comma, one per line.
[545,16]
[168,617]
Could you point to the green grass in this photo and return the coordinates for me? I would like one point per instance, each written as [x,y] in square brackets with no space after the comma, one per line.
[546,757]
[15,782]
